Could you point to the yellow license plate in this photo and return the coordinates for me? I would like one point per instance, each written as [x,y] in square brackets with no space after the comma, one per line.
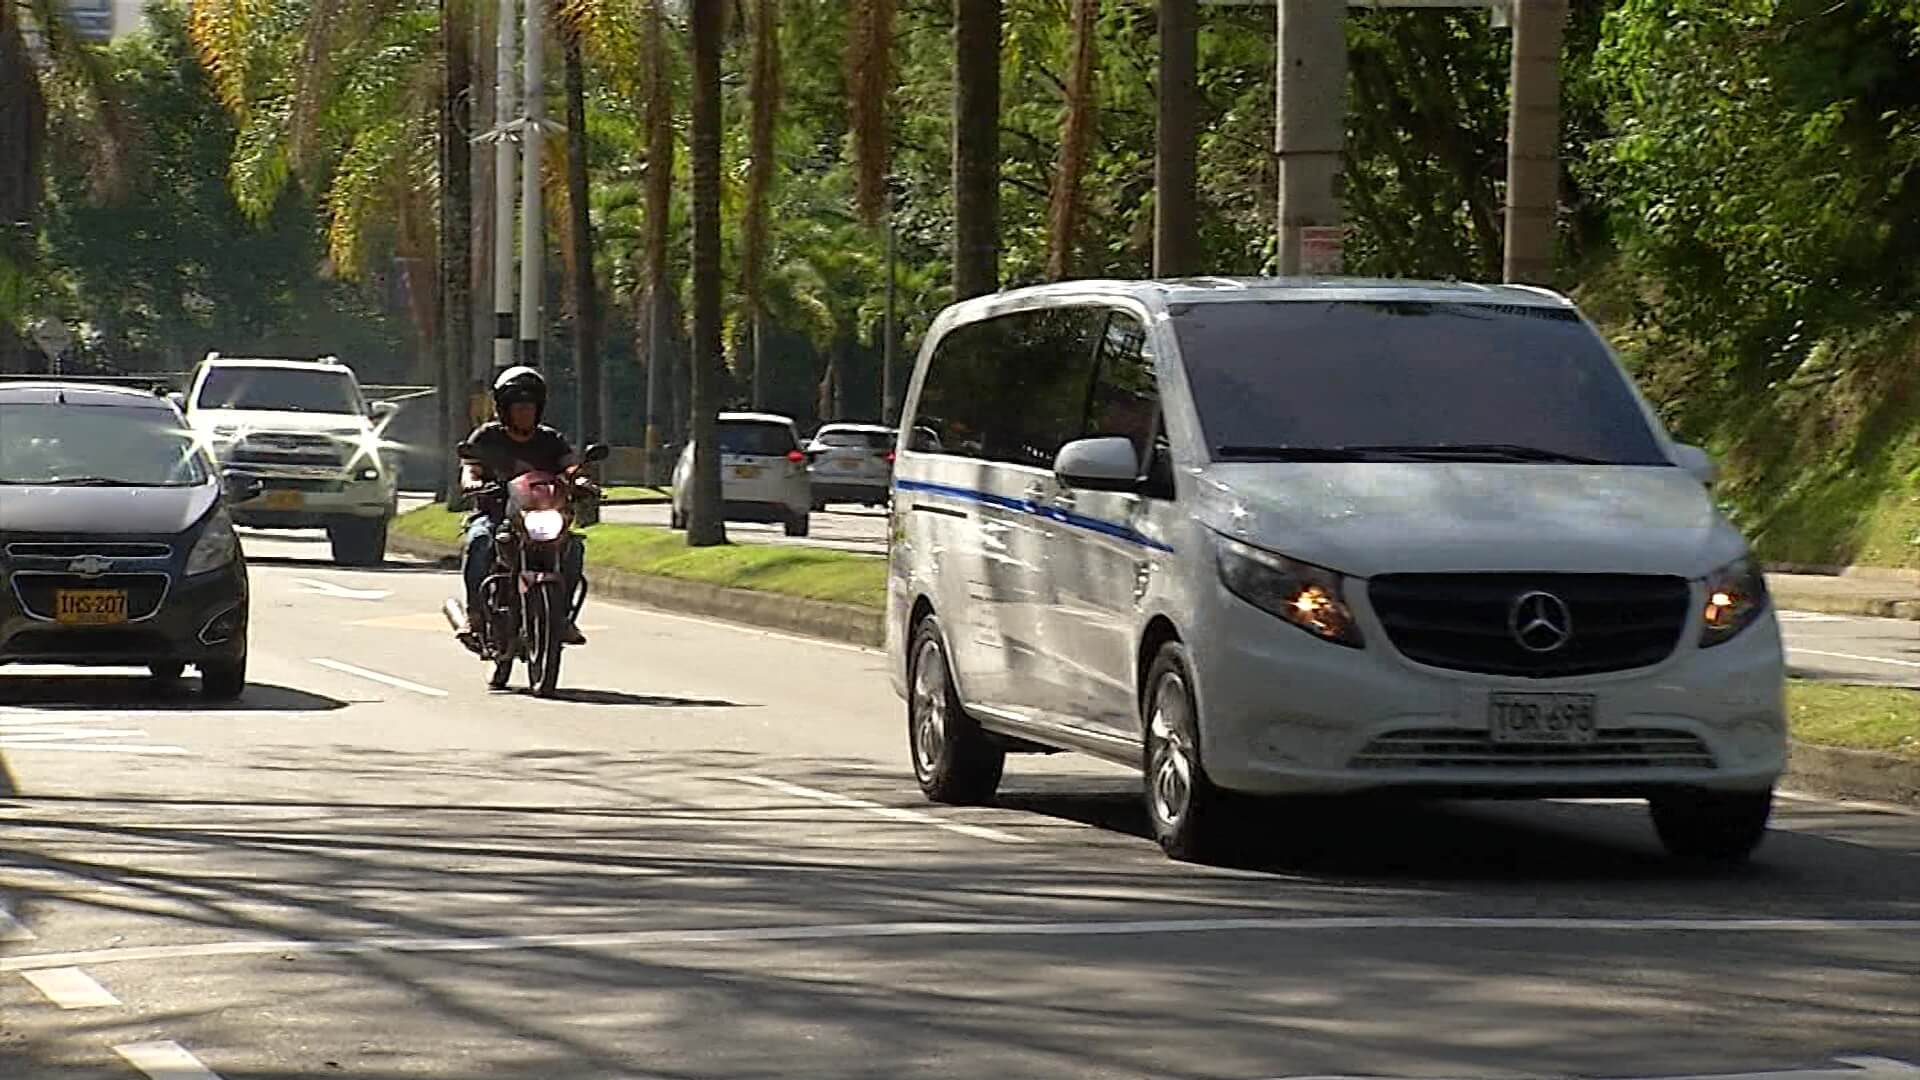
[285,500]
[746,472]
[90,607]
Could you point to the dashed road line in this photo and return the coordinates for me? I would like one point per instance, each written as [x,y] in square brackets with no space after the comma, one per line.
[70,988]
[731,935]
[833,798]
[328,588]
[1855,656]
[165,1061]
[380,677]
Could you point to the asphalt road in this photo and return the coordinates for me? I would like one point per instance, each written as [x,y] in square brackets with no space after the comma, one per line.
[710,861]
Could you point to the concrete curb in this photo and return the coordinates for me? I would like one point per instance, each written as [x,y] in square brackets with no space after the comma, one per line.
[846,623]
[1795,598]
[1852,774]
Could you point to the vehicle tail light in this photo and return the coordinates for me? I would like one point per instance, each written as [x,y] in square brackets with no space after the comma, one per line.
[796,456]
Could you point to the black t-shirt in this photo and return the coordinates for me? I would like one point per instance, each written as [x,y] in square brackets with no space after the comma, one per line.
[502,457]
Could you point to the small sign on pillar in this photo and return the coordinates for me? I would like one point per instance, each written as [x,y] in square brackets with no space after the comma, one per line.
[1320,249]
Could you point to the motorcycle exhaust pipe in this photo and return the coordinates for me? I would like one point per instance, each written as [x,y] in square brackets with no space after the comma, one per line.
[456,613]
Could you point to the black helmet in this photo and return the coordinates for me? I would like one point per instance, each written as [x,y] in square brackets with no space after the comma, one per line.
[519,384]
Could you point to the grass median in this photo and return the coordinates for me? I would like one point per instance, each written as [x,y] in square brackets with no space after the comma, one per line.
[785,569]
[1884,718]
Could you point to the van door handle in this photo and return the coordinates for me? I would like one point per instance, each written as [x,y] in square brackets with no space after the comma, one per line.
[1036,492]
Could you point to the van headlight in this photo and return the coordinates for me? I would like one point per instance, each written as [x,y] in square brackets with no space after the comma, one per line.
[543,525]
[1736,596]
[1309,597]
[217,546]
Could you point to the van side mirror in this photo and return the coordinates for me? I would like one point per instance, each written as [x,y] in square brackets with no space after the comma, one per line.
[1104,464]
[241,486]
[382,409]
[596,452]
[179,400]
[1698,462]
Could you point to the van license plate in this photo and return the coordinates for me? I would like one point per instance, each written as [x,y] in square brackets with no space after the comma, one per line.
[1541,718]
[90,607]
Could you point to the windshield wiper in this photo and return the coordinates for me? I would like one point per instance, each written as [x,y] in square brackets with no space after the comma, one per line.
[1501,451]
[88,481]
[1307,453]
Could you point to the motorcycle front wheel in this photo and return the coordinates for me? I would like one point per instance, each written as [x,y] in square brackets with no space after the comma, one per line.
[547,609]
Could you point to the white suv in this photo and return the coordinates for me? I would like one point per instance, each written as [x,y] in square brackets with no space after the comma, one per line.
[763,473]
[1265,538]
[302,427]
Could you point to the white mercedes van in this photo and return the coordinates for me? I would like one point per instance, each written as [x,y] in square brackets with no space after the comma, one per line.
[1321,537]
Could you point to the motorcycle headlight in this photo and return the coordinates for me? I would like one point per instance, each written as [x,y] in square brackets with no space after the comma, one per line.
[1309,597]
[1736,597]
[217,546]
[543,524]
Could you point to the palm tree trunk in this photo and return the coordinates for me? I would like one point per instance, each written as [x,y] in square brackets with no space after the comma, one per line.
[1175,213]
[763,88]
[869,81]
[976,147]
[22,122]
[659,233]
[1063,213]
[586,296]
[456,228]
[704,525]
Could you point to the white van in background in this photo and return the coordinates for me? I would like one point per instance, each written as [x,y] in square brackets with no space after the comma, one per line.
[763,473]
[1321,537]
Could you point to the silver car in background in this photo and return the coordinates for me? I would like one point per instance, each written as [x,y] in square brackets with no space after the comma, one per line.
[851,463]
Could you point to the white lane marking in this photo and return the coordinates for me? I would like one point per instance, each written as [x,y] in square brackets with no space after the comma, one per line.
[165,1061]
[1869,1061]
[880,810]
[1855,656]
[953,928]
[70,988]
[1850,804]
[11,929]
[44,733]
[328,588]
[1810,616]
[743,628]
[99,748]
[379,677]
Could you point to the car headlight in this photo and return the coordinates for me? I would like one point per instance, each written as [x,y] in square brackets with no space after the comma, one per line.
[543,524]
[218,545]
[1309,597]
[1736,597]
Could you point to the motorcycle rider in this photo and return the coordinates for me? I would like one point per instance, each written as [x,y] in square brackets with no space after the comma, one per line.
[513,443]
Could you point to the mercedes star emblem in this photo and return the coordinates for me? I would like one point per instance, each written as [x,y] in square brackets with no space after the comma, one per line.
[1540,622]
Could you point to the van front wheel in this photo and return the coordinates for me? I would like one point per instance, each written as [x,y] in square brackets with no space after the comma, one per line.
[1189,815]
[954,761]
[1722,827]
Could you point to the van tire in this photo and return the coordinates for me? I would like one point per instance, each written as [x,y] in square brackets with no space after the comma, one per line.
[1190,817]
[676,519]
[953,759]
[798,525]
[1715,827]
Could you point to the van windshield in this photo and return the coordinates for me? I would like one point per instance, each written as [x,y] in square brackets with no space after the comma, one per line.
[1410,381]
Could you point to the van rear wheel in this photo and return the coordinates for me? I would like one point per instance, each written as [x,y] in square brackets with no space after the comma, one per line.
[1190,817]
[953,759]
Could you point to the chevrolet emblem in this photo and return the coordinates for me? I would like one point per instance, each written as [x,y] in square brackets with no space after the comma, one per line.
[89,566]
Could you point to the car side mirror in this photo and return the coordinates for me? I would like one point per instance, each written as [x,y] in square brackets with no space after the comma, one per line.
[241,486]
[1698,462]
[596,452]
[382,409]
[179,400]
[1109,463]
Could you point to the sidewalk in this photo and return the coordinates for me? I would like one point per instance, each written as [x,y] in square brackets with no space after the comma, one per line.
[1893,596]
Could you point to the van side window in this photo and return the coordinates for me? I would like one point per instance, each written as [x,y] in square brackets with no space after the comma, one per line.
[1125,400]
[1012,388]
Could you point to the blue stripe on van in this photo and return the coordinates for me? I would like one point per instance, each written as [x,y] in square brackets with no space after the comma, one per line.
[1117,531]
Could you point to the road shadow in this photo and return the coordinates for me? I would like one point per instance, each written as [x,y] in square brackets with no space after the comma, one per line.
[583,696]
[143,693]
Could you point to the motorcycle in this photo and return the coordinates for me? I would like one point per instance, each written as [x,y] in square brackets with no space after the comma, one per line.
[524,604]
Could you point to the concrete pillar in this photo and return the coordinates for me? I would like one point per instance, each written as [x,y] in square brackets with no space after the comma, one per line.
[1310,131]
[1533,140]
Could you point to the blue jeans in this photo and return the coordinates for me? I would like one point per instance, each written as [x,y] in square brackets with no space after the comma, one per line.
[477,562]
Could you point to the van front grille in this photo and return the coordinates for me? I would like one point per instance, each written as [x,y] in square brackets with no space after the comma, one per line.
[1466,622]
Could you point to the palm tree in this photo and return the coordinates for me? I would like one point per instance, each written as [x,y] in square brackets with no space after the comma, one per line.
[976,147]
[456,227]
[659,98]
[763,90]
[705,527]
[1063,212]
[1175,213]
[586,297]
[869,81]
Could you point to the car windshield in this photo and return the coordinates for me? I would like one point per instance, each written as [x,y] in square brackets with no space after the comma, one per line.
[858,440]
[279,390]
[755,438]
[1402,380]
[96,446]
